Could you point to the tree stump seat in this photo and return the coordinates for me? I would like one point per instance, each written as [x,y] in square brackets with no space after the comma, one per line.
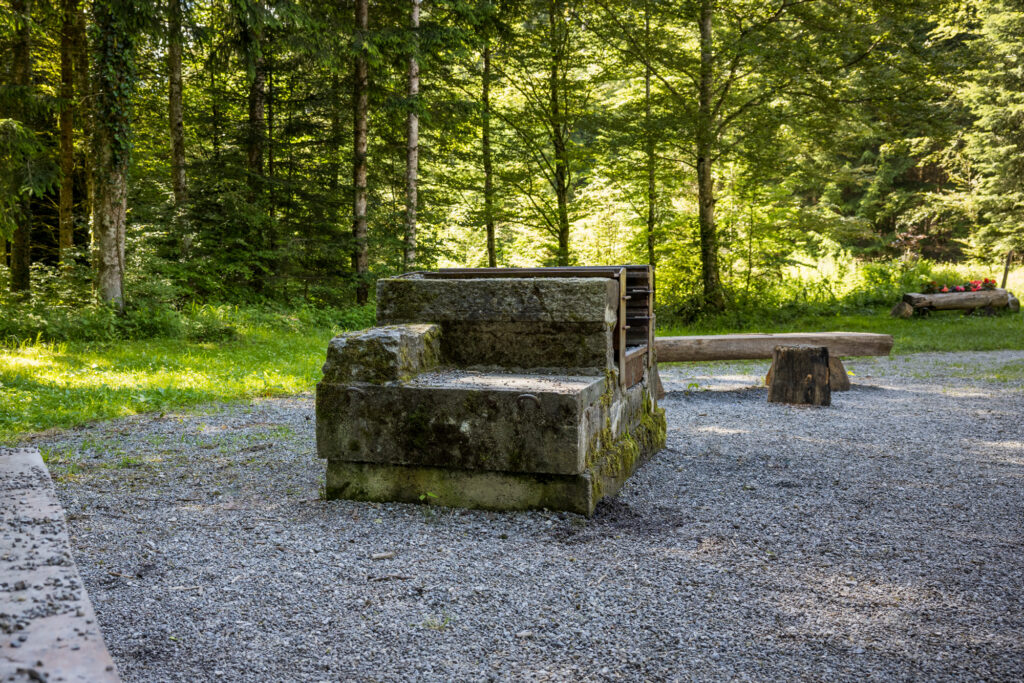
[800,375]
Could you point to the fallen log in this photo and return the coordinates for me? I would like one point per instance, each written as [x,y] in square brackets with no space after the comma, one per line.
[756,346]
[948,301]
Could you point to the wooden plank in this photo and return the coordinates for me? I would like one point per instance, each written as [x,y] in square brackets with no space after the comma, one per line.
[49,630]
[633,371]
[994,298]
[621,331]
[754,346]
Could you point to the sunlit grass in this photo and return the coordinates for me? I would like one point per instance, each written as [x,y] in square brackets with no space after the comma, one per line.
[44,386]
[62,385]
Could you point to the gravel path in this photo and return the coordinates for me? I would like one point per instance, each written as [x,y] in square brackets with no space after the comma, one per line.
[880,538]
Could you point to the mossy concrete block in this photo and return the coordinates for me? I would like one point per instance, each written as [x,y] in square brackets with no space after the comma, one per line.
[609,468]
[497,441]
[472,421]
[546,300]
[514,323]
[383,354]
[459,488]
[585,348]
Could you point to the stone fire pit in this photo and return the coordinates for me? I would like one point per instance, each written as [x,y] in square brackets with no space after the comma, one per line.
[499,389]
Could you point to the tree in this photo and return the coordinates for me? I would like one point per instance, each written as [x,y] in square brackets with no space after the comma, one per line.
[995,95]
[649,135]
[735,91]
[69,10]
[115,25]
[21,72]
[175,114]
[360,98]
[412,142]
[485,149]
[550,96]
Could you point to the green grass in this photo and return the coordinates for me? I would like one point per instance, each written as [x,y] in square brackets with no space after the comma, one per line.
[942,331]
[62,385]
[45,386]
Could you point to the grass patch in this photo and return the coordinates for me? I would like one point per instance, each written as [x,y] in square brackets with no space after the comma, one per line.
[47,385]
[941,331]
[1007,373]
[65,384]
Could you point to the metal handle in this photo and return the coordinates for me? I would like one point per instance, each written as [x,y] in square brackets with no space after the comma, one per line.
[528,397]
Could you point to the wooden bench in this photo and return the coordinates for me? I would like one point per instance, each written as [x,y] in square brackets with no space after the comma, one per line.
[758,346]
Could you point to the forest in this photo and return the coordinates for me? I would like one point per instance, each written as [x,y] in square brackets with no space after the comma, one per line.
[285,153]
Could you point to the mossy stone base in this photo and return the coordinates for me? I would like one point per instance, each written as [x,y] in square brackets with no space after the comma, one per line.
[578,493]
[625,429]
[469,421]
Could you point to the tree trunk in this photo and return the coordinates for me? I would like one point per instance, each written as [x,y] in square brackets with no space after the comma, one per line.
[111,212]
[257,119]
[485,141]
[271,170]
[84,115]
[413,143]
[115,78]
[66,220]
[175,117]
[255,139]
[714,299]
[335,145]
[360,96]
[214,115]
[556,20]
[21,76]
[649,136]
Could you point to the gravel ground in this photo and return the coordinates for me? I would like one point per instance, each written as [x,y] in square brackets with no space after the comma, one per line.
[879,538]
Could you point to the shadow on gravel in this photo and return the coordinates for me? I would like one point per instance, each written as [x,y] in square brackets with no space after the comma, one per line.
[614,517]
[749,394]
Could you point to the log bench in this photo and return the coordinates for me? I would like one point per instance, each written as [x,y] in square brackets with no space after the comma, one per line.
[758,346]
[986,299]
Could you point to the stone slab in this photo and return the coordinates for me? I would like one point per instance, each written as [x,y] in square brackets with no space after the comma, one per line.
[473,421]
[48,628]
[383,354]
[578,493]
[412,299]
[584,348]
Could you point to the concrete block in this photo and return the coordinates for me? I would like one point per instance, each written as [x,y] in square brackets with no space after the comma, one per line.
[512,324]
[383,354]
[603,476]
[550,300]
[504,422]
